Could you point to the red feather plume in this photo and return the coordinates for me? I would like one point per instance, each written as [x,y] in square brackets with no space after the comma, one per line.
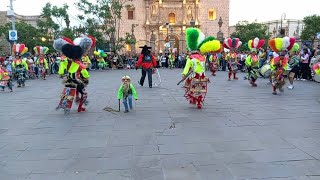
[292,41]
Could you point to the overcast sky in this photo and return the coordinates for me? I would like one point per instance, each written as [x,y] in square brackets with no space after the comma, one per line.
[265,10]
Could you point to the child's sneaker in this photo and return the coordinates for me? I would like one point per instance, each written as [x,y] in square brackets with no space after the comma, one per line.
[126,111]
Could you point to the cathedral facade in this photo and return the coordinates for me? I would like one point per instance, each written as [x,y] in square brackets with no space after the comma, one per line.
[162,23]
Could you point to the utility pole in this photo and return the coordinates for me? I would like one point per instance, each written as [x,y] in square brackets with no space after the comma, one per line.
[13,23]
[13,20]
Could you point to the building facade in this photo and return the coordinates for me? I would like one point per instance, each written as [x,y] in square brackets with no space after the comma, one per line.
[291,27]
[161,22]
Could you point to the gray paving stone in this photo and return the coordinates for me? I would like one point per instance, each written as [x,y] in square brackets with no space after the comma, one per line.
[115,175]
[241,132]
[148,174]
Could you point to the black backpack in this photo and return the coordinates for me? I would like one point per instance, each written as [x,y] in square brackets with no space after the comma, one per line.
[147,58]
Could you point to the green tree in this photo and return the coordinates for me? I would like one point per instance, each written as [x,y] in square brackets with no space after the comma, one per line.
[311,27]
[55,19]
[27,34]
[246,31]
[104,18]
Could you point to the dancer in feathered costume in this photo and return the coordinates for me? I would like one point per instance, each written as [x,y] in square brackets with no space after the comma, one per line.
[5,79]
[232,45]
[194,71]
[78,76]
[280,64]
[101,62]
[213,61]
[86,61]
[252,61]
[42,62]
[20,66]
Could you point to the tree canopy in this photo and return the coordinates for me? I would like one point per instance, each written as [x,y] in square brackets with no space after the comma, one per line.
[246,31]
[103,20]
[311,27]
[27,34]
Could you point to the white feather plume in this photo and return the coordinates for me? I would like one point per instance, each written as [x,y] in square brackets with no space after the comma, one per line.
[239,44]
[226,42]
[201,38]
[17,48]
[255,42]
[285,43]
[77,41]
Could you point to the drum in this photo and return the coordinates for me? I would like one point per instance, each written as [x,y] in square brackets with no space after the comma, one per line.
[265,70]
[316,77]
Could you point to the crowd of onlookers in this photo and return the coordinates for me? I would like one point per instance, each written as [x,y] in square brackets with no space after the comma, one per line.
[308,58]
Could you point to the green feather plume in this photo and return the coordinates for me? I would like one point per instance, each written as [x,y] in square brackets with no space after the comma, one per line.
[192,35]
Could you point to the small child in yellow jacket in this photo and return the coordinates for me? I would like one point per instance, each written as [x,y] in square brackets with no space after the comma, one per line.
[125,92]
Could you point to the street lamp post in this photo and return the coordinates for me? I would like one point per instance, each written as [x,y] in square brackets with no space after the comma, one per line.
[282,31]
[166,48]
[192,22]
[220,33]
[171,38]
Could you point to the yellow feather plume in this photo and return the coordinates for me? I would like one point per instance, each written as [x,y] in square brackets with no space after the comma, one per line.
[210,46]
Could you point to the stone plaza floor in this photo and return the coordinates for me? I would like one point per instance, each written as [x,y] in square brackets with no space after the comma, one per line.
[242,132]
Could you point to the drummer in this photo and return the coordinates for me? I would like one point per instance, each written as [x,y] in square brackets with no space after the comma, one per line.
[293,66]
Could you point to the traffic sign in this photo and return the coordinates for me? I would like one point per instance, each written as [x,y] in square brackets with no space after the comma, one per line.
[13,35]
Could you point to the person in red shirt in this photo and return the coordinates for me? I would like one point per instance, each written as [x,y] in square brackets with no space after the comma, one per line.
[148,62]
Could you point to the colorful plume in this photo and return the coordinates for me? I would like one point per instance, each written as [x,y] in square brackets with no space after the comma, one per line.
[100,53]
[41,50]
[316,68]
[281,44]
[255,44]
[233,43]
[194,38]
[210,44]
[295,47]
[19,49]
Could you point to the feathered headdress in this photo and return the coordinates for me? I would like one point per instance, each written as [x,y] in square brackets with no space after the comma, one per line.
[58,43]
[295,47]
[100,53]
[233,43]
[76,48]
[196,41]
[194,38]
[40,50]
[210,44]
[282,44]
[19,49]
[254,44]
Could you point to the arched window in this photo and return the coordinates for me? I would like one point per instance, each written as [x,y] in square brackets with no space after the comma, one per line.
[212,14]
[172,18]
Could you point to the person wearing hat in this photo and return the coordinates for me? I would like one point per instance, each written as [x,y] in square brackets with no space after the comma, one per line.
[252,61]
[147,61]
[194,71]
[78,76]
[5,79]
[232,58]
[293,64]
[42,62]
[126,92]
[279,64]
[18,64]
